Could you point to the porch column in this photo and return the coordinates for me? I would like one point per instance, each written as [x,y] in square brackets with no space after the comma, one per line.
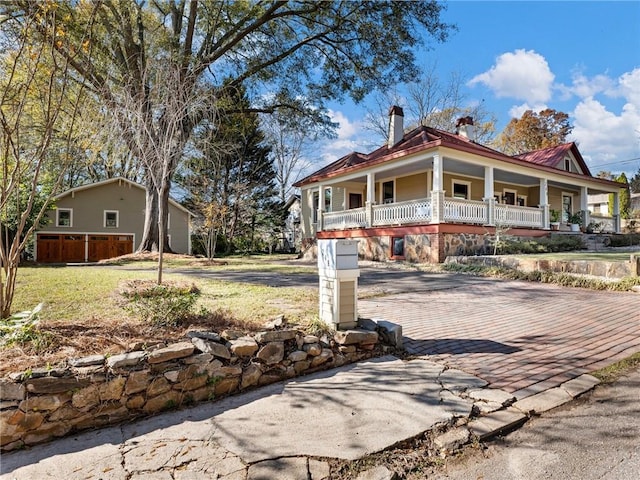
[544,203]
[320,207]
[371,190]
[437,192]
[584,206]
[616,211]
[489,194]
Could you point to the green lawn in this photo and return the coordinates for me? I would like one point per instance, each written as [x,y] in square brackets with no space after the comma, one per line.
[89,293]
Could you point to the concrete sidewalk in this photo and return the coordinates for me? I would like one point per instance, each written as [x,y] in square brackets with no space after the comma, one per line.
[292,430]
[278,431]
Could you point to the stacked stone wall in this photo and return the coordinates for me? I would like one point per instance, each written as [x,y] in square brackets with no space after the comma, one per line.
[99,390]
[611,270]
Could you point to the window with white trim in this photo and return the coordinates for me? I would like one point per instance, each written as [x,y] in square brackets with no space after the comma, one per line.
[461,189]
[111,219]
[64,217]
[388,191]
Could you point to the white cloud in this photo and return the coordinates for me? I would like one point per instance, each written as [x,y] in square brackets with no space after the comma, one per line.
[629,86]
[523,74]
[584,87]
[605,137]
[346,128]
[351,137]
[518,110]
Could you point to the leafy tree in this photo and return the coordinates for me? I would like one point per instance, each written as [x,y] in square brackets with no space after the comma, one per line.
[156,65]
[624,199]
[634,183]
[534,131]
[39,116]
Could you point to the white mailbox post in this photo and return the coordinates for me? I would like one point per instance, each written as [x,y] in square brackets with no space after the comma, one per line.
[338,272]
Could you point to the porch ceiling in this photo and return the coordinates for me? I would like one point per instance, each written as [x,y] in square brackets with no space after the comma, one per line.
[459,167]
[503,176]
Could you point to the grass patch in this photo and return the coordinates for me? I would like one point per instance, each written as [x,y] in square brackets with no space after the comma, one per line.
[264,263]
[613,372]
[73,293]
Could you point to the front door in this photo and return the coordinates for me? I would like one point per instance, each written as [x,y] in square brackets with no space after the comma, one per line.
[355,200]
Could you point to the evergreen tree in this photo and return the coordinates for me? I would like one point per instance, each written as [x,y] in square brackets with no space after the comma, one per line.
[230,179]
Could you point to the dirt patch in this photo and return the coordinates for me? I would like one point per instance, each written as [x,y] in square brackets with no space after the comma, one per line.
[153,257]
[64,340]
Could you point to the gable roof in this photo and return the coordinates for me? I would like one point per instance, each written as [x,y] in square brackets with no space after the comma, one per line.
[554,156]
[423,138]
[113,180]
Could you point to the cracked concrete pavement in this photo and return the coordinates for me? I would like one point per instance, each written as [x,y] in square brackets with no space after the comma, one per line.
[344,413]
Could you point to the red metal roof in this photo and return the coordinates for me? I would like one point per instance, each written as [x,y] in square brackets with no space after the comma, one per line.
[423,138]
[554,156]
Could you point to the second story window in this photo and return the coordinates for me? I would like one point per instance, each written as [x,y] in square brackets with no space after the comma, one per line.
[111,219]
[64,217]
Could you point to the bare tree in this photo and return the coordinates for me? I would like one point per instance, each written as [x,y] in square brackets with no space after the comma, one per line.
[158,138]
[291,134]
[39,114]
[432,102]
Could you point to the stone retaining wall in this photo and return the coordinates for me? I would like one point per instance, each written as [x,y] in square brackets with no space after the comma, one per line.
[612,270]
[95,391]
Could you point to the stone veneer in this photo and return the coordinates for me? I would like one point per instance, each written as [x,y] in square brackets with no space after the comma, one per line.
[425,247]
[612,270]
[97,390]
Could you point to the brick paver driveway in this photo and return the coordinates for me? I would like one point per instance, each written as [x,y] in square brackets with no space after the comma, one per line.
[521,337]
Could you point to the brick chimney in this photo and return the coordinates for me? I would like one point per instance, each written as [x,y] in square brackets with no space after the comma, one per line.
[396,127]
[465,128]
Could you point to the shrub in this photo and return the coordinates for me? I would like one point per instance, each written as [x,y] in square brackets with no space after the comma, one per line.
[564,279]
[625,240]
[168,304]
[560,243]
[22,329]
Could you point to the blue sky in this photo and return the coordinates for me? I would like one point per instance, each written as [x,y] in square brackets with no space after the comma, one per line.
[579,57]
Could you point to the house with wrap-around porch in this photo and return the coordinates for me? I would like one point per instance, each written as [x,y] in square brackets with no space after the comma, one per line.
[428,194]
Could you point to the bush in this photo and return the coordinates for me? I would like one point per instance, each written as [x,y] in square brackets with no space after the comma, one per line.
[168,304]
[625,240]
[559,243]
[22,329]
[557,278]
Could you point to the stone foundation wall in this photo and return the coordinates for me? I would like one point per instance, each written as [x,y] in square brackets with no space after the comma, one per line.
[426,247]
[96,391]
[419,248]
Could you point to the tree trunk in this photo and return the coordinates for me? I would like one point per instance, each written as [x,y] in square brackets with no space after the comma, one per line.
[151,234]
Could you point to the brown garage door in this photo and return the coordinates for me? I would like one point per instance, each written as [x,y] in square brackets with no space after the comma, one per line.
[60,248]
[109,246]
[53,248]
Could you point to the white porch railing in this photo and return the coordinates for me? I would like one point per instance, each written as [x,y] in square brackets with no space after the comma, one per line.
[354,218]
[516,216]
[420,211]
[606,224]
[465,211]
[413,211]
